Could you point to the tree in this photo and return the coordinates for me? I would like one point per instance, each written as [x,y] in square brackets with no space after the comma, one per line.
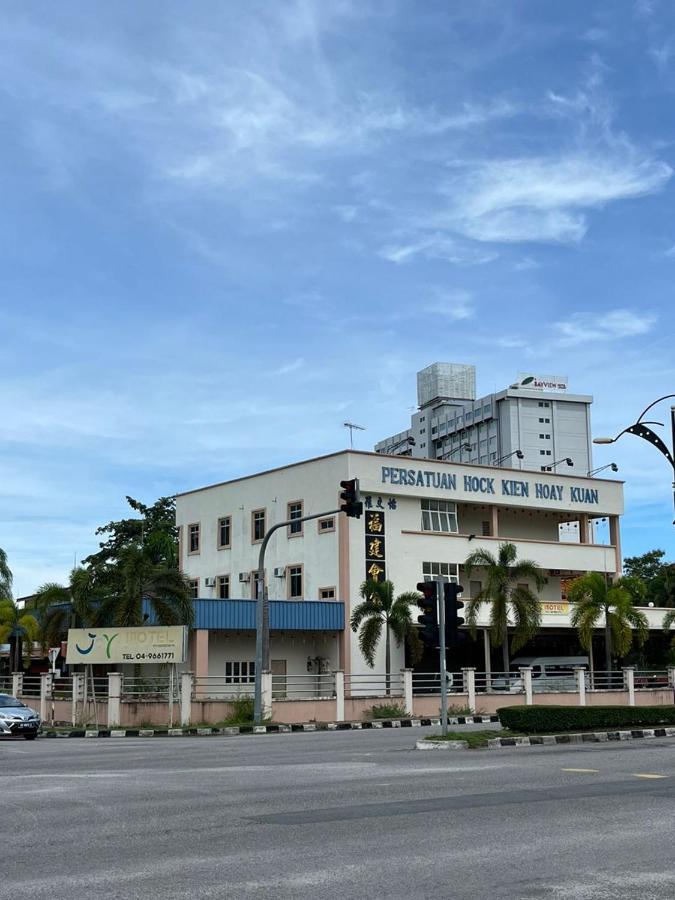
[142,575]
[645,567]
[155,527]
[381,610]
[19,629]
[5,577]
[657,576]
[59,607]
[597,601]
[505,590]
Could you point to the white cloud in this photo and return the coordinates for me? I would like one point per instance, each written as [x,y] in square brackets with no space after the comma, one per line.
[436,246]
[455,305]
[541,199]
[289,367]
[582,328]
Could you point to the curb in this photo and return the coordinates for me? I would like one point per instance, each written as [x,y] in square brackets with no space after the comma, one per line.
[266,729]
[442,745]
[587,737]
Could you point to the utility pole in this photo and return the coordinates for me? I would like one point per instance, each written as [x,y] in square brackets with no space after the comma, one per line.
[443,662]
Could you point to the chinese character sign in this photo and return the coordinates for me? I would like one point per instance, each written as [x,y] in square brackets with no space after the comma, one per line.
[375,546]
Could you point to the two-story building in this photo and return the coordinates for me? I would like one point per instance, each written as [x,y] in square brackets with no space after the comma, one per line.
[422,518]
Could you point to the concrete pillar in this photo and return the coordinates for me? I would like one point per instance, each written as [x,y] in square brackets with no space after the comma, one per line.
[78,696]
[629,683]
[615,540]
[469,681]
[671,676]
[200,663]
[494,521]
[339,695]
[45,693]
[580,675]
[186,686]
[114,699]
[266,679]
[487,650]
[526,675]
[583,529]
[407,676]
[17,684]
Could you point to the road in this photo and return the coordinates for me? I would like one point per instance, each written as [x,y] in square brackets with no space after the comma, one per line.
[337,815]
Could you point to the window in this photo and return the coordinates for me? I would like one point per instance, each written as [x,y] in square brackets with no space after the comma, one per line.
[295,582]
[432,570]
[294,510]
[327,593]
[193,538]
[544,403]
[475,587]
[545,436]
[485,529]
[544,453]
[224,532]
[326,525]
[257,525]
[544,421]
[194,588]
[224,587]
[439,515]
[240,672]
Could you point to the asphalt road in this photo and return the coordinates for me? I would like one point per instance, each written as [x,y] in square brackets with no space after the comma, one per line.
[338,815]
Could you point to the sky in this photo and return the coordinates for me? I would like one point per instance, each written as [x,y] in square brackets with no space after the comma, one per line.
[228,227]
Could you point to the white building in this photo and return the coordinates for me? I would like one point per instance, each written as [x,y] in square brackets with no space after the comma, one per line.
[532,424]
[422,518]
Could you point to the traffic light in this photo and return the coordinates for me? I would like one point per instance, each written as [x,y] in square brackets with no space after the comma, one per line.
[453,620]
[428,603]
[351,498]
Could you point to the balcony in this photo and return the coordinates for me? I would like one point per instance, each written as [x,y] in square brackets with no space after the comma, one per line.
[546,554]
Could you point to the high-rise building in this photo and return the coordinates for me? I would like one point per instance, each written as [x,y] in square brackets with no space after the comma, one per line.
[532,424]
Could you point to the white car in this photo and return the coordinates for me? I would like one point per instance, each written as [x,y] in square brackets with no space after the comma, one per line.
[17,719]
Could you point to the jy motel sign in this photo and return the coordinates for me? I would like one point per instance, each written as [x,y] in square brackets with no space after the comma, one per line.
[101,646]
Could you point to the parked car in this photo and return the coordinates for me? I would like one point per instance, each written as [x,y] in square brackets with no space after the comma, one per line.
[18,719]
[549,673]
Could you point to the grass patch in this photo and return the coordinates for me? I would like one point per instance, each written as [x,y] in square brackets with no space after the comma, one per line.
[388,711]
[475,739]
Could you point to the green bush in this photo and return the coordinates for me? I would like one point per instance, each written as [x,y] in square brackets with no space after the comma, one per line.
[532,719]
[388,711]
[242,711]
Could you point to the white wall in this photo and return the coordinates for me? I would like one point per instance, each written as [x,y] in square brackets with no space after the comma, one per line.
[240,647]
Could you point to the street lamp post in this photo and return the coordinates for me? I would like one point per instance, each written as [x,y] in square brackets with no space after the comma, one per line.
[461,448]
[640,429]
[517,453]
[565,459]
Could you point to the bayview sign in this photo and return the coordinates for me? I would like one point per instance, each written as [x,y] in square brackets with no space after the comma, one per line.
[151,644]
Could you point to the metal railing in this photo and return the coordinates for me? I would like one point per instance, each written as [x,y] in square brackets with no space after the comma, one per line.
[62,689]
[606,681]
[6,684]
[31,686]
[499,683]
[221,687]
[425,683]
[645,680]
[154,688]
[369,684]
[303,687]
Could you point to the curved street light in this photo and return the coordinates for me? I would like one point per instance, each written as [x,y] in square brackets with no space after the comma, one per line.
[640,429]
[517,453]
[565,459]
[593,472]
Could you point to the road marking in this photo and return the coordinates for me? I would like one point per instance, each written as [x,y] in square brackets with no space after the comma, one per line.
[646,775]
[594,771]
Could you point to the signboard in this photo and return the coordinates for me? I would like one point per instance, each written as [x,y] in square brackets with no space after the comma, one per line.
[146,644]
[542,382]
[375,538]
[560,608]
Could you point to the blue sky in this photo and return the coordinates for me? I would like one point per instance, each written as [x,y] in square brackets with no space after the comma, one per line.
[227,227]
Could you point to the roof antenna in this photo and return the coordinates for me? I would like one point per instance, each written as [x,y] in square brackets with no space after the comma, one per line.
[352,427]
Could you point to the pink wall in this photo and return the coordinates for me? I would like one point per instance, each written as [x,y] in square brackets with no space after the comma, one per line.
[289,711]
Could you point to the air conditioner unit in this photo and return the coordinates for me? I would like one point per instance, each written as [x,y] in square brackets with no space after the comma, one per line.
[244,576]
[279,572]
[210,582]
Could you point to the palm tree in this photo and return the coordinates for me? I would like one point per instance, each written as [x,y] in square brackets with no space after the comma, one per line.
[596,600]
[79,605]
[17,628]
[141,575]
[508,596]
[381,610]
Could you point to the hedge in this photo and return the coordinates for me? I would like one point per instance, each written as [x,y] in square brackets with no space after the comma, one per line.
[529,719]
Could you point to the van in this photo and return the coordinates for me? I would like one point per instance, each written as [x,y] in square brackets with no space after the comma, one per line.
[549,673]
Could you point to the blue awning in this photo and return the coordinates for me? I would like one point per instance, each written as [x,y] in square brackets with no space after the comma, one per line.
[285,615]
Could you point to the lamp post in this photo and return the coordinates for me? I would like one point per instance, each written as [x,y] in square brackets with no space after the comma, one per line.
[565,459]
[640,429]
[461,448]
[392,448]
[593,472]
[517,453]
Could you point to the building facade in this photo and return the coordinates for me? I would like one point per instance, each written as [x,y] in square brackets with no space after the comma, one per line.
[532,424]
[422,519]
